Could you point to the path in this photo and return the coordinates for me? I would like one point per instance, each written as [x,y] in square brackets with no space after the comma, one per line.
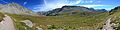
[107,25]
[7,23]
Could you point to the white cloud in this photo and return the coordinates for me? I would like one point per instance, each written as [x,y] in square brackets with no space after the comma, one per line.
[89,6]
[78,1]
[24,3]
[91,1]
[3,1]
[98,1]
[87,1]
[49,5]
[74,2]
[45,2]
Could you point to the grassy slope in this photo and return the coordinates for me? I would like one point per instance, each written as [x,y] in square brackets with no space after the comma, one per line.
[1,16]
[116,18]
[67,22]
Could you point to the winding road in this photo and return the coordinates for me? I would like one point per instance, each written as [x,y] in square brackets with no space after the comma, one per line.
[7,24]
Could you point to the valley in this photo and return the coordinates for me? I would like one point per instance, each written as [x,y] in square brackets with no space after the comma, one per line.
[15,17]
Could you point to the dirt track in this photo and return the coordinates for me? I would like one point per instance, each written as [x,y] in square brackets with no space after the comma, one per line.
[7,24]
[107,25]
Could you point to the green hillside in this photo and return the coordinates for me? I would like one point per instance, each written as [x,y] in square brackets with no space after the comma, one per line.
[92,22]
[116,18]
[64,18]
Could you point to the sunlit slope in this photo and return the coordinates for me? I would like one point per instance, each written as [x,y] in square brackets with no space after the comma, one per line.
[14,8]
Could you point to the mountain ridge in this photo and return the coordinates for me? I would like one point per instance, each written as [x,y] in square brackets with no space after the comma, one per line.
[70,9]
[14,8]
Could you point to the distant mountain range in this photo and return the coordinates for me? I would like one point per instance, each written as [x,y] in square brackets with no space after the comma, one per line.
[14,8]
[71,9]
[64,18]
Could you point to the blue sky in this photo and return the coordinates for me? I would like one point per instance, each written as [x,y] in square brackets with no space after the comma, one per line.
[45,5]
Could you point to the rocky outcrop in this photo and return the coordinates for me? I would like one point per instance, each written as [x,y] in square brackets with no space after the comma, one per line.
[28,23]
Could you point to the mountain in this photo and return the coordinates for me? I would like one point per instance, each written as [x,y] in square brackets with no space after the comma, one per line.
[65,18]
[101,10]
[14,8]
[116,8]
[54,21]
[73,10]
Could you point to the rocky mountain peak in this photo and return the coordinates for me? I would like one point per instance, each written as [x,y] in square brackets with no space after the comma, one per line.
[14,8]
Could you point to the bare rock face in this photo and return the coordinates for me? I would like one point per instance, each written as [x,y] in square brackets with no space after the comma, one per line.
[14,8]
[28,23]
